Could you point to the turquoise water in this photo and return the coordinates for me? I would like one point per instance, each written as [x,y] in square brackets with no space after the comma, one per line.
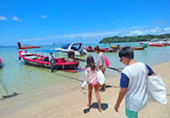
[18,77]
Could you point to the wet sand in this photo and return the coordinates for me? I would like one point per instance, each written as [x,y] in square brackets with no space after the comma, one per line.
[69,101]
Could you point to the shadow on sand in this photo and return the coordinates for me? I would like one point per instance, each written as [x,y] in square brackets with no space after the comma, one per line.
[95,106]
[107,86]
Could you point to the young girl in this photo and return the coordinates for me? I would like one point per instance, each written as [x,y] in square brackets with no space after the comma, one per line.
[91,79]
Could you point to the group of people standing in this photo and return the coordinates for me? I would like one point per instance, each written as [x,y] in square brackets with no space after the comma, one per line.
[133,83]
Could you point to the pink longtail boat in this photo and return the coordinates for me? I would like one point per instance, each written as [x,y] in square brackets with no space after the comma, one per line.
[44,61]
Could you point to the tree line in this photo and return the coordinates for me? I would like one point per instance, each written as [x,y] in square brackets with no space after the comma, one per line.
[139,38]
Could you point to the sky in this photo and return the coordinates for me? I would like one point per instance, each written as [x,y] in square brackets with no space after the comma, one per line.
[43,22]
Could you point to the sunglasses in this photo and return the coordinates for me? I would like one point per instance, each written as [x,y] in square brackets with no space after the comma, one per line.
[121,59]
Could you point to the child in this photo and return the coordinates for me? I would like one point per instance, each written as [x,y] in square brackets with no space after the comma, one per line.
[133,83]
[91,78]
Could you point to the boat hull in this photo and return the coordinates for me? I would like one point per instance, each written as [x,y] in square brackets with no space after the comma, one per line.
[155,44]
[29,47]
[90,49]
[108,50]
[58,67]
[134,48]
[115,47]
[26,47]
[60,63]
[138,48]
[1,63]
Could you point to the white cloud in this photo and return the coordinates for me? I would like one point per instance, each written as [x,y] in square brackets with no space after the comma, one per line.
[3,18]
[167,29]
[136,32]
[16,18]
[97,36]
[44,17]
[155,30]
[85,35]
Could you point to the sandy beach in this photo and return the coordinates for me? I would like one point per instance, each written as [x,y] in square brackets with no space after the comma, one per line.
[69,101]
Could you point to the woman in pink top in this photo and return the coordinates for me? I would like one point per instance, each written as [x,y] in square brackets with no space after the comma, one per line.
[91,78]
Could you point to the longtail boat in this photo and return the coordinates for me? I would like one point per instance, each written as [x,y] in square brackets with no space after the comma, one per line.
[26,47]
[108,50]
[134,48]
[44,61]
[155,44]
[138,48]
[89,49]
[115,47]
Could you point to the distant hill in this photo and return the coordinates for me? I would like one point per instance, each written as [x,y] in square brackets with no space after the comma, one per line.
[139,38]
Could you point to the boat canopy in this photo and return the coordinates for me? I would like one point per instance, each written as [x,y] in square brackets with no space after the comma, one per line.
[49,51]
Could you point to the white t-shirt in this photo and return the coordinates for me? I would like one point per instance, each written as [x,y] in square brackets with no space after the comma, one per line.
[136,96]
[101,61]
[90,75]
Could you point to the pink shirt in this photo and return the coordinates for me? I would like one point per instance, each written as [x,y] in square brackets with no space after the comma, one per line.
[90,75]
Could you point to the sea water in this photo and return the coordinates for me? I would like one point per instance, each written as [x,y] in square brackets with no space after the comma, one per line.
[15,76]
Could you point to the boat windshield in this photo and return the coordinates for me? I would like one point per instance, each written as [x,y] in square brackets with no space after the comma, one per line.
[76,46]
[66,46]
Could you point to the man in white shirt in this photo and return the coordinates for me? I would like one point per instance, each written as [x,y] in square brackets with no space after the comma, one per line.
[133,83]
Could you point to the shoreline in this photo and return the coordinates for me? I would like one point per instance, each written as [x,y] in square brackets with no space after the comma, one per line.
[68,101]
